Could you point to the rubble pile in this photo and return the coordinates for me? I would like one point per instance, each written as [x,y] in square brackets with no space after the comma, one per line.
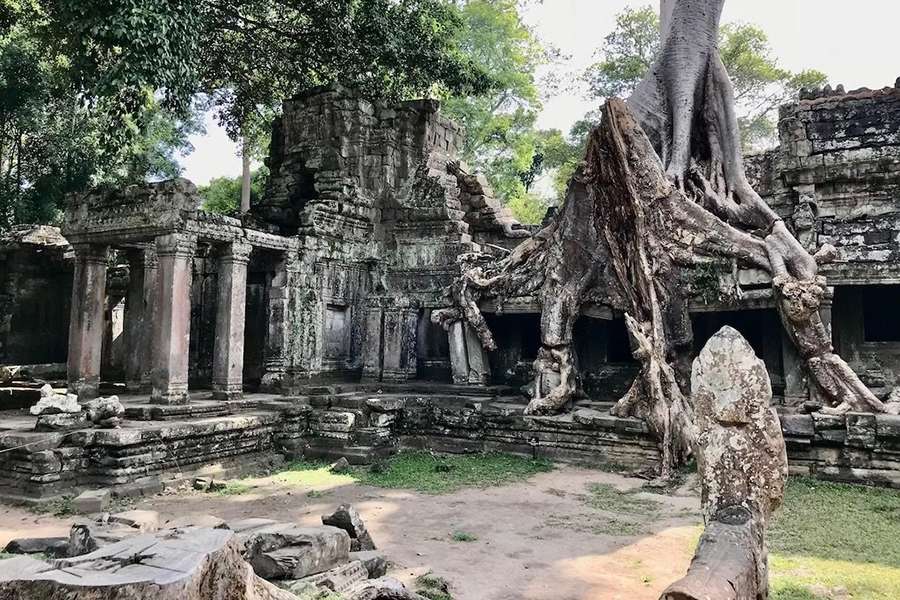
[131,556]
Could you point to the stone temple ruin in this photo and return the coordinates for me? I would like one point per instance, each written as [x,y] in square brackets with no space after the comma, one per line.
[305,328]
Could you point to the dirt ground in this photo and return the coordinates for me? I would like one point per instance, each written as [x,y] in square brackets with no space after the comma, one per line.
[535,540]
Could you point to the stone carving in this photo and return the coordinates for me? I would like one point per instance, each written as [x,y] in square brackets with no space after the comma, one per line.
[742,463]
[105,413]
[52,403]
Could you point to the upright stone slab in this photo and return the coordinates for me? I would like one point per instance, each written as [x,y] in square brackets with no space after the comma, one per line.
[228,359]
[139,318]
[742,463]
[172,319]
[279,315]
[87,320]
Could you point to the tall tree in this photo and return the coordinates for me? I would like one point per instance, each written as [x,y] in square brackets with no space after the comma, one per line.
[761,85]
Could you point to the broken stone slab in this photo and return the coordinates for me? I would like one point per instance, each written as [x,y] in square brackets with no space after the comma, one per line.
[88,536]
[91,501]
[347,518]
[341,465]
[340,579]
[56,547]
[193,564]
[52,403]
[289,551]
[374,562]
[6,375]
[145,521]
[205,521]
[383,588]
[105,412]
[61,422]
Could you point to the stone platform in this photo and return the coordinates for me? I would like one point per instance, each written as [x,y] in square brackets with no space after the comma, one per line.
[162,445]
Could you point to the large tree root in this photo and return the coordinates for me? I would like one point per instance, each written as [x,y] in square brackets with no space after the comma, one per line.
[662,189]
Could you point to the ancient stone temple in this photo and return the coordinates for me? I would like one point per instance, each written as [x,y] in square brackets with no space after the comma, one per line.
[305,326]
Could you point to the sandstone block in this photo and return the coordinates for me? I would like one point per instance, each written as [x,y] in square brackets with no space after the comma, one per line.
[347,518]
[91,501]
[374,562]
[289,551]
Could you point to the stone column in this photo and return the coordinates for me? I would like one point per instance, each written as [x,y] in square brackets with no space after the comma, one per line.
[825,310]
[277,337]
[459,361]
[228,358]
[796,391]
[172,319]
[135,321]
[398,346]
[86,325]
[151,300]
[468,359]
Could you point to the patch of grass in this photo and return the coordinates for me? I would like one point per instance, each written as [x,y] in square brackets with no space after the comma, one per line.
[603,496]
[596,524]
[433,587]
[422,472]
[317,493]
[462,536]
[234,488]
[60,507]
[312,474]
[832,540]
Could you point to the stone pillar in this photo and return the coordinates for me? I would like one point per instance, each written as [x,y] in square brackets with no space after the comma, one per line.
[151,301]
[373,343]
[228,358]
[825,310]
[136,320]
[468,360]
[796,391]
[86,325]
[276,351]
[172,319]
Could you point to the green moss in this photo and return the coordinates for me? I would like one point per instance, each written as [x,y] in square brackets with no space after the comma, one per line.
[433,587]
[422,472]
[603,496]
[234,488]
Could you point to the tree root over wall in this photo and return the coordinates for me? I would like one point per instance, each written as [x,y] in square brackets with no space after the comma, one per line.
[662,189]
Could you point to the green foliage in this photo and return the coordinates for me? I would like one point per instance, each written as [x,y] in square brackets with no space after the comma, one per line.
[463,536]
[501,140]
[433,587]
[417,471]
[51,138]
[223,194]
[835,537]
[527,208]
[234,488]
[760,83]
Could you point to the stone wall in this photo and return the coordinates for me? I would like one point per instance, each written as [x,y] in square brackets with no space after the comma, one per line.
[382,210]
[35,291]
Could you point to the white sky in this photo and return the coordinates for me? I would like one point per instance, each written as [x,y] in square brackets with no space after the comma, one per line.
[854,42]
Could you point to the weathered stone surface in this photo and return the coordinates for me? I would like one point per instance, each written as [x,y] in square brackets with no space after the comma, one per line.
[61,422]
[87,536]
[194,564]
[91,501]
[340,579]
[53,547]
[374,562]
[289,551]
[347,518]
[342,465]
[383,588]
[742,463]
[52,403]
[737,427]
[105,412]
[145,521]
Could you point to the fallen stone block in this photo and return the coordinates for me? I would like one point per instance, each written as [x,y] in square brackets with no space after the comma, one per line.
[145,521]
[383,588]
[339,579]
[374,562]
[105,412]
[342,465]
[61,422]
[347,518]
[289,551]
[91,501]
[52,546]
[205,521]
[87,536]
[193,564]
[52,403]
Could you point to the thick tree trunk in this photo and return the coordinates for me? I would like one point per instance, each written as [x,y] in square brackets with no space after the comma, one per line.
[245,177]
